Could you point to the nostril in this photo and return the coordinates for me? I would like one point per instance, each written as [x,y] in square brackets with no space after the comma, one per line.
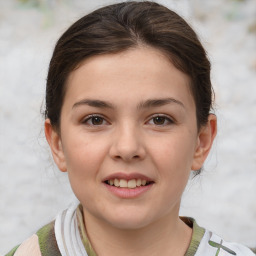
[127,158]
[127,147]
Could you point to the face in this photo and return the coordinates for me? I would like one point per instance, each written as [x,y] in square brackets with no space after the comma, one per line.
[128,137]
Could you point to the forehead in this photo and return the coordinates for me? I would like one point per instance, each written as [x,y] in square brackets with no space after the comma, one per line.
[137,73]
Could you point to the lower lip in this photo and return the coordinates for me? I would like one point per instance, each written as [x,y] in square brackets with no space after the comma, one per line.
[128,192]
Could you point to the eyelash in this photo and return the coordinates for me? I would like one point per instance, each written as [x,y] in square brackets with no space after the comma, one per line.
[167,120]
[90,117]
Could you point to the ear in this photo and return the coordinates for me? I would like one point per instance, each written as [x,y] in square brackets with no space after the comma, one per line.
[54,140]
[205,139]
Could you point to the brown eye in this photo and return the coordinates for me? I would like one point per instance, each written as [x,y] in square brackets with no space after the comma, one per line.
[97,120]
[159,120]
[94,120]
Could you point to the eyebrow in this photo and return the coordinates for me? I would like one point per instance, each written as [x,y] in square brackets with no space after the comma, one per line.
[150,103]
[94,103]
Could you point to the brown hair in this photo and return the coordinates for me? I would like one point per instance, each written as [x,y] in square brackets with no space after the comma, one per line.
[121,26]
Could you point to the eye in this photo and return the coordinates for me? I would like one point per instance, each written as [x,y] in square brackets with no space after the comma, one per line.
[160,120]
[94,120]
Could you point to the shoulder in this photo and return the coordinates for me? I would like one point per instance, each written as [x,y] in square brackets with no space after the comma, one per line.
[212,245]
[43,243]
[31,246]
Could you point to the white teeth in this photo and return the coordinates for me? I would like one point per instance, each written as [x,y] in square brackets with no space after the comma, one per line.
[116,183]
[138,182]
[132,183]
[127,183]
[143,182]
[123,183]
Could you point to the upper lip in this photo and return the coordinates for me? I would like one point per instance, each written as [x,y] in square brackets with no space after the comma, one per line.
[127,176]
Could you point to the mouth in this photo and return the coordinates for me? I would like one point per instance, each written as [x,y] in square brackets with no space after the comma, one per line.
[128,186]
[128,183]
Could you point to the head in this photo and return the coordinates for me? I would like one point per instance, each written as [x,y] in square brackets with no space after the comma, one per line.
[127,101]
[122,26]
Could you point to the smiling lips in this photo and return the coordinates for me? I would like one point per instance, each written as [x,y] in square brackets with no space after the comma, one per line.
[122,183]
[128,185]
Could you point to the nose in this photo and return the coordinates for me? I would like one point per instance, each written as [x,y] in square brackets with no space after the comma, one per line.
[127,144]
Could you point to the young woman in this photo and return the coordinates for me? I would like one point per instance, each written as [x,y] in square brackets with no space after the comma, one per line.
[128,103]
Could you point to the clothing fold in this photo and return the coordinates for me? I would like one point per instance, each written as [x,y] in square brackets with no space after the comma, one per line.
[67,233]
[66,236]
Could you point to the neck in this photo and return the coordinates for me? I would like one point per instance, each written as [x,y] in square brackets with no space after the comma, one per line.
[167,236]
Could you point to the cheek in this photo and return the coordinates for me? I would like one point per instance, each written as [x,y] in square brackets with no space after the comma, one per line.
[84,156]
[173,152]
[84,161]
[173,158]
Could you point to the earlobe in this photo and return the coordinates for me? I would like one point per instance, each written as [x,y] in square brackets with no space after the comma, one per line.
[205,140]
[54,141]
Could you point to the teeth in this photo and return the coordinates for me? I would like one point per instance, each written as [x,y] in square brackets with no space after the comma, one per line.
[116,183]
[138,182]
[143,182]
[127,184]
[123,183]
[132,183]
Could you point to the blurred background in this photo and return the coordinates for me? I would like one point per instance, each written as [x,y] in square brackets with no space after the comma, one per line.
[33,191]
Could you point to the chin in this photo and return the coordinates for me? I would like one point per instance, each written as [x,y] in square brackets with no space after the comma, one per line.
[128,224]
[129,221]
[128,217]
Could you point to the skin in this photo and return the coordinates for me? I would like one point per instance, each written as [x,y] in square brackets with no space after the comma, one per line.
[127,138]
